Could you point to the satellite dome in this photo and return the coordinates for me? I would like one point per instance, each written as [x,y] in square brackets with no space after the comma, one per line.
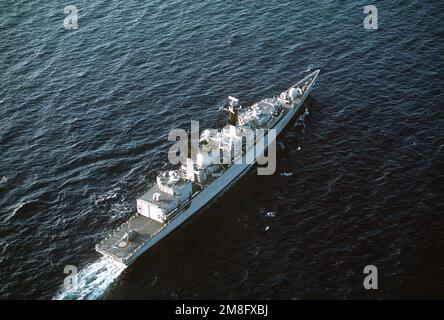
[293,92]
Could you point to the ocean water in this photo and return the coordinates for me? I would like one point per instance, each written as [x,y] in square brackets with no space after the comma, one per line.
[84,118]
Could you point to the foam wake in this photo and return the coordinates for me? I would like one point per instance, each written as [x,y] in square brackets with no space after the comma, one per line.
[92,281]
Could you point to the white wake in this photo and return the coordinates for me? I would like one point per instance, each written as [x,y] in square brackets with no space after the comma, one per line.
[92,281]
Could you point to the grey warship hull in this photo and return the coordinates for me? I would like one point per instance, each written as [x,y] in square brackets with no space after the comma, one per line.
[146,232]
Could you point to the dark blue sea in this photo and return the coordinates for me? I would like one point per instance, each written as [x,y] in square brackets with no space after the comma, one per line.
[84,120]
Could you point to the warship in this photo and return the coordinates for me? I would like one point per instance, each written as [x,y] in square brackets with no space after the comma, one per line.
[179,194]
